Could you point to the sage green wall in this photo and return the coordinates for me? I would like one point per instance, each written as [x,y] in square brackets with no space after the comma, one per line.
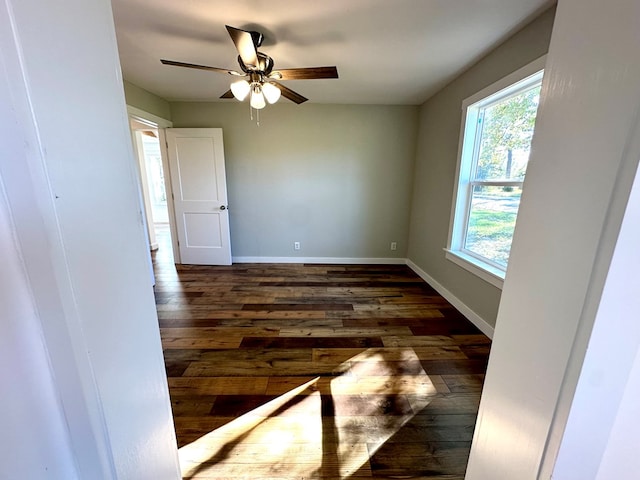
[336,178]
[436,160]
[145,100]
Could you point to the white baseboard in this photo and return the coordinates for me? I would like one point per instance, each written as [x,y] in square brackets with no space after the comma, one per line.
[327,260]
[473,317]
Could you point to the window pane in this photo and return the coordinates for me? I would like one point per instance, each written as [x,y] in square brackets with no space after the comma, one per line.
[492,219]
[507,128]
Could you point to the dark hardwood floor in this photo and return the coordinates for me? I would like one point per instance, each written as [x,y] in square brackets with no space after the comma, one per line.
[316,371]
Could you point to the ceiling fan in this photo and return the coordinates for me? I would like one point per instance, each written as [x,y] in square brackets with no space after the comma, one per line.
[260,80]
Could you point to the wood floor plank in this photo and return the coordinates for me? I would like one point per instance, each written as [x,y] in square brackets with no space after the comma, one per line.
[257,355]
[290,371]
[446,327]
[188,322]
[311,342]
[281,322]
[455,367]
[199,406]
[351,385]
[297,307]
[182,343]
[477,339]
[388,354]
[273,322]
[253,368]
[187,307]
[386,322]
[217,332]
[218,386]
[395,341]
[343,331]
[406,312]
[432,458]
[242,314]
[464,383]
[445,404]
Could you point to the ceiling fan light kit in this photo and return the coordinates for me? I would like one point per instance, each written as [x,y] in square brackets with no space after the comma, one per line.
[259,79]
[259,90]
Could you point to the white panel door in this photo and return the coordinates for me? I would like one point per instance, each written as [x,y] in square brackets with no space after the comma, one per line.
[196,164]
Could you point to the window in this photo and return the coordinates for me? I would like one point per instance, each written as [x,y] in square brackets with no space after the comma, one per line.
[494,151]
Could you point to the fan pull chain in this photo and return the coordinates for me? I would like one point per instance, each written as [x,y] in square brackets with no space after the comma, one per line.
[257,115]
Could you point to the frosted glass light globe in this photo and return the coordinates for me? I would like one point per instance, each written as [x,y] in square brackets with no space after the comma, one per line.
[257,98]
[271,92]
[240,89]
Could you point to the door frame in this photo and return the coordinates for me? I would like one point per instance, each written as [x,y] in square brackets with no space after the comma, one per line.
[160,124]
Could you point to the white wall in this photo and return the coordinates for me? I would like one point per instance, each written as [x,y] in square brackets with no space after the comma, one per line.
[336,178]
[575,193]
[35,441]
[601,432]
[146,101]
[621,453]
[69,175]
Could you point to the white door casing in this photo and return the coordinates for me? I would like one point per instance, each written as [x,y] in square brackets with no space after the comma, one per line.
[196,164]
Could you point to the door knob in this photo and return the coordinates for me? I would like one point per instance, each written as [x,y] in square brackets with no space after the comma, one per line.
[222,207]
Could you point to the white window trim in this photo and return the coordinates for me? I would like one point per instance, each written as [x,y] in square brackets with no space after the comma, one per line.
[492,273]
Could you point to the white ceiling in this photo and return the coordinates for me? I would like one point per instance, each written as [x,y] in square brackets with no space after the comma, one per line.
[387,51]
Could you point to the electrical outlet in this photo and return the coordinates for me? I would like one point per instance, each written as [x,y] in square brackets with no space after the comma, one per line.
[296,245]
[394,245]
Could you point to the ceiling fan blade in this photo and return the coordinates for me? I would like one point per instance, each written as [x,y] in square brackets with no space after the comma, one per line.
[305,73]
[243,41]
[199,67]
[227,94]
[290,94]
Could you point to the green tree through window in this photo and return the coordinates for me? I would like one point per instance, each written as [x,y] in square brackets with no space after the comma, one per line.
[507,127]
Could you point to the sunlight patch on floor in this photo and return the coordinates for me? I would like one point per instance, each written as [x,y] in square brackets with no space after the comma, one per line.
[327,427]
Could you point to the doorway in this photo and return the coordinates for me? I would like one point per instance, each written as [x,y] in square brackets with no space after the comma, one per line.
[155,178]
[157,195]
[147,133]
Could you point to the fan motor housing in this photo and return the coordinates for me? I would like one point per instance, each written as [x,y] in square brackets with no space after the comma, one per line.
[265,64]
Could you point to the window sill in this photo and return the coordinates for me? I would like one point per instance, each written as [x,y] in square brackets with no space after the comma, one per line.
[486,272]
